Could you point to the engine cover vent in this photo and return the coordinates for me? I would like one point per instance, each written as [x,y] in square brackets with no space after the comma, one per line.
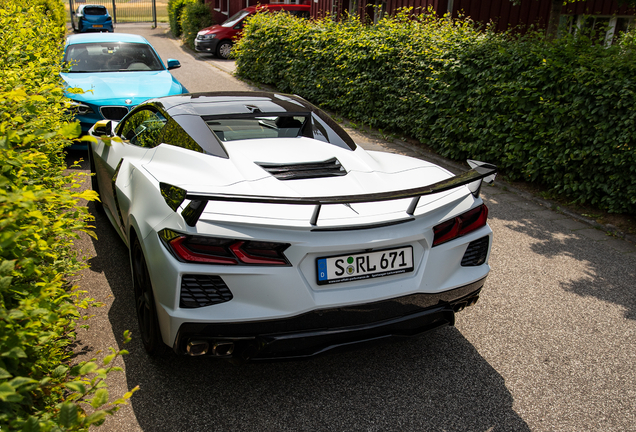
[304,170]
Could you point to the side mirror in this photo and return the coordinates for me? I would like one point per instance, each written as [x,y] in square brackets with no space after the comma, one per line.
[103,128]
[173,64]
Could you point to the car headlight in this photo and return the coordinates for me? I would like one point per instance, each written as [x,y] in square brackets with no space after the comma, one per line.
[206,36]
[80,108]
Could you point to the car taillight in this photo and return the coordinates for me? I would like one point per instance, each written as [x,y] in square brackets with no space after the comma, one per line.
[213,250]
[460,225]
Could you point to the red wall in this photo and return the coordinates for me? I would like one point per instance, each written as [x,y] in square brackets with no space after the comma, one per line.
[502,12]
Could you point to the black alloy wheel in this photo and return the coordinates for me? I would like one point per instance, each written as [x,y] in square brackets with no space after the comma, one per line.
[145,303]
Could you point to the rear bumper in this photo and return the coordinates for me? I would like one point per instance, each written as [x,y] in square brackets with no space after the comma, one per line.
[319,331]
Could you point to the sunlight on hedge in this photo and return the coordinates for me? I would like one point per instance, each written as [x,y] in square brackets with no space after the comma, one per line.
[40,390]
[560,114]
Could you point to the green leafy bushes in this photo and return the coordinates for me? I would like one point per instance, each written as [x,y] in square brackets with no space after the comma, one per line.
[175,8]
[41,217]
[557,113]
[195,16]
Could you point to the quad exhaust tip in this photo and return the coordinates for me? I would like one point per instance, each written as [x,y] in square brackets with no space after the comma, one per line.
[223,349]
[219,349]
[197,348]
[458,307]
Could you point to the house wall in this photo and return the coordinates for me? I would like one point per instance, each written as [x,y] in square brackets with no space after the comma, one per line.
[531,12]
[223,9]
[502,12]
[339,8]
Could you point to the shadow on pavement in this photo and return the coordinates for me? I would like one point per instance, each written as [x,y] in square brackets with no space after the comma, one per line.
[594,268]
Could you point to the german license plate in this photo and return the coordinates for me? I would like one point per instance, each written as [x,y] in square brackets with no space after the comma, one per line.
[366,265]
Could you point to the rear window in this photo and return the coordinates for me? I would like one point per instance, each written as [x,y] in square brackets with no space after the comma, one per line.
[233,129]
[95,10]
[277,125]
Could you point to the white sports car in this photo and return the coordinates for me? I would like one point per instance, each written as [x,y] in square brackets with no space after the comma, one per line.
[258,229]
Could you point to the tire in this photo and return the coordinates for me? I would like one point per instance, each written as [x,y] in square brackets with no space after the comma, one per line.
[223,49]
[94,183]
[145,303]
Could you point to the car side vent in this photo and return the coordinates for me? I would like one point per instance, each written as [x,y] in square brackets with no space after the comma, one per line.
[304,170]
[203,290]
[113,112]
[476,252]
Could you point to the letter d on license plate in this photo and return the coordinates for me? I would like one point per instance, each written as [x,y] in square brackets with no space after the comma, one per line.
[346,268]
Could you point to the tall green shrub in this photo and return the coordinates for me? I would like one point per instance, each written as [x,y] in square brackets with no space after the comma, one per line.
[41,217]
[175,9]
[195,16]
[557,113]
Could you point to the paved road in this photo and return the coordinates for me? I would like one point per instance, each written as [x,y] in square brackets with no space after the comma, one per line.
[549,347]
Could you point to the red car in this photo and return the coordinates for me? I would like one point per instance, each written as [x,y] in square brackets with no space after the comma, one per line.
[218,39]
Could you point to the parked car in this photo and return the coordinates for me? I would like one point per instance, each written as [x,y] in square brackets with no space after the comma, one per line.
[110,73]
[92,17]
[258,229]
[218,39]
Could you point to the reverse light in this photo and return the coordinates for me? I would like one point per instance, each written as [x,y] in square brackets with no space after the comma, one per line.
[213,250]
[460,225]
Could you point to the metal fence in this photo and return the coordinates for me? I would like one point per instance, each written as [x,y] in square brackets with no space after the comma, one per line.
[125,10]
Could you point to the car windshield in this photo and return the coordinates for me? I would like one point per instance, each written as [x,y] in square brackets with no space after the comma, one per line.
[230,22]
[94,10]
[112,57]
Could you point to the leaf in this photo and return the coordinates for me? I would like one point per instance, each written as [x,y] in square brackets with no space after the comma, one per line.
[95,418]
[90,139]
[88,368]
[8,393]
[76,386]
[89,195]
[31,425]
[59,371]
[18,382]
[71,130]
[68,415]
[101,397]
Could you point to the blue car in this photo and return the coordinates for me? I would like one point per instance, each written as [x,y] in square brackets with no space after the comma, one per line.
[111,73]
[92,17]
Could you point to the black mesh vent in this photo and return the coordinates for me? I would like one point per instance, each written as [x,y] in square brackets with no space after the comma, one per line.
[203,290]
[305,170]
[476,252]
[113,112]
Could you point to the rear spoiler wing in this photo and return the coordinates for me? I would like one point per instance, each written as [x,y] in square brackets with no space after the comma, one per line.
[481,171]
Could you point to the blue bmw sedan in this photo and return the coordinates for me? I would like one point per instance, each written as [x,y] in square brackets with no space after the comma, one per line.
[110,73]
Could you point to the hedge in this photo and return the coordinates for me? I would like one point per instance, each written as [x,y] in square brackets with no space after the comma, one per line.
[175,10]
[559,113]
[194,17]
[40,388]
